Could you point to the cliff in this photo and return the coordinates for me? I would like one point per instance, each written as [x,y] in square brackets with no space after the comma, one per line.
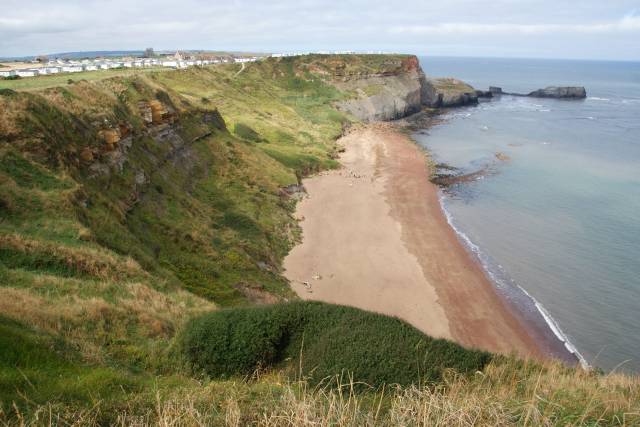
[140,199]
[384,96]
[403,89]
[448,92]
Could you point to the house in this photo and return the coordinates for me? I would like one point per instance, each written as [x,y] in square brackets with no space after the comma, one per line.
[27,73]
[72,68]
[127,64]
[178,56]
[173,64]
[9,73]
[91,67]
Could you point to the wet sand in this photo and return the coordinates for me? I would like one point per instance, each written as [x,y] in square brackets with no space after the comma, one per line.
[375,237]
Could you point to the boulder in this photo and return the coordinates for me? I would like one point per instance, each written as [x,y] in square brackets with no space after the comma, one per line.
[560,92]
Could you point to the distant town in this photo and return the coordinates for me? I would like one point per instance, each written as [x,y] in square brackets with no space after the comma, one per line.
[43,66]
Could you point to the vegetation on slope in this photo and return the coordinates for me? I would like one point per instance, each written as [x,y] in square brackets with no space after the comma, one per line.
[134,203]
[320,341]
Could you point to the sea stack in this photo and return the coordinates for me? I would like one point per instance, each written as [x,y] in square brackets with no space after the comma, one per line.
[565,92]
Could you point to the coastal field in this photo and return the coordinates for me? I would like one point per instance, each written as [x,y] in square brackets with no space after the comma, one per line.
[144,225]
[43,82]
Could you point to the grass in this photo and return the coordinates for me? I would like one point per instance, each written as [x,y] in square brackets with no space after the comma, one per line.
[114,266]
[33,372]
[54,80]
[320,341]
[507,392]
[451,86]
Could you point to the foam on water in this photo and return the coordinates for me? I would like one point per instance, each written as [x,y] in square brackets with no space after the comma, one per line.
[559,220]
[500,279]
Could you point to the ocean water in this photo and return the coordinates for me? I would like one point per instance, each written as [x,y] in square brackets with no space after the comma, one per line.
[560,217]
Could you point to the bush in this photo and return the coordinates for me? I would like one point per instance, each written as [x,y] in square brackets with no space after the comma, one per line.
[7,92]
[245,132]
[324,340]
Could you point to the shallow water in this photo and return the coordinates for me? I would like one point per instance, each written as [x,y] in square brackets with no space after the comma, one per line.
[559,218]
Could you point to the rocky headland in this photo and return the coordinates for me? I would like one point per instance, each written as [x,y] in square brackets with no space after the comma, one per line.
[400,92]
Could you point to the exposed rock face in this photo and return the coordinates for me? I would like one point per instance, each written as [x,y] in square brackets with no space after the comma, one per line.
[384,97]
[450,93]
[484,94]
[562,92]
[390,96]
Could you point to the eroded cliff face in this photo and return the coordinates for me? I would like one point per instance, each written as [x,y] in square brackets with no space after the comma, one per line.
[400,92]
[448,92]
[388,96]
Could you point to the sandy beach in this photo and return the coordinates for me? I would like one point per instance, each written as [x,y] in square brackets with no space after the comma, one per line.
[375,237]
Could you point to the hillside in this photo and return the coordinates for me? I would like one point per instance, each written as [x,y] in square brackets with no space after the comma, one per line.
[132,204]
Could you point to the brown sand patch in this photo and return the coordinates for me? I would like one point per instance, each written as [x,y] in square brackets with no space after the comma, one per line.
[375,237]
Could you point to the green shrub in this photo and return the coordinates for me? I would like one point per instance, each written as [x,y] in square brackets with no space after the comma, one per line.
[245,132]
[323,341]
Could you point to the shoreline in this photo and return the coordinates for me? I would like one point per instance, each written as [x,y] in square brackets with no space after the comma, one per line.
[535,318]
[375,236]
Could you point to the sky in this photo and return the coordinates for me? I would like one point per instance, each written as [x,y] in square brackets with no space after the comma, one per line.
[581,29]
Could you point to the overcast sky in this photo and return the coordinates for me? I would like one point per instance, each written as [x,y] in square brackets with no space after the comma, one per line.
[598,29]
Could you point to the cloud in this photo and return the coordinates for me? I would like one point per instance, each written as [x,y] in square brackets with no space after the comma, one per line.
[45,26]
[629,23]
[37,25]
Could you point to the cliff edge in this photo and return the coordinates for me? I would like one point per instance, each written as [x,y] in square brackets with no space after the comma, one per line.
[403,89]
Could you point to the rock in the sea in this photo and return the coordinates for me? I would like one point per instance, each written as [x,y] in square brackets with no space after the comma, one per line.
[495,90]
[563,92]
[451,93]
[484,93]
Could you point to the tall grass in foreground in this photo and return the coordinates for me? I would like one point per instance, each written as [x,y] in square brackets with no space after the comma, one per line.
[507,392]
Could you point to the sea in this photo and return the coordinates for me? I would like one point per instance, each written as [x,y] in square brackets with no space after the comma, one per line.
[554,215]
